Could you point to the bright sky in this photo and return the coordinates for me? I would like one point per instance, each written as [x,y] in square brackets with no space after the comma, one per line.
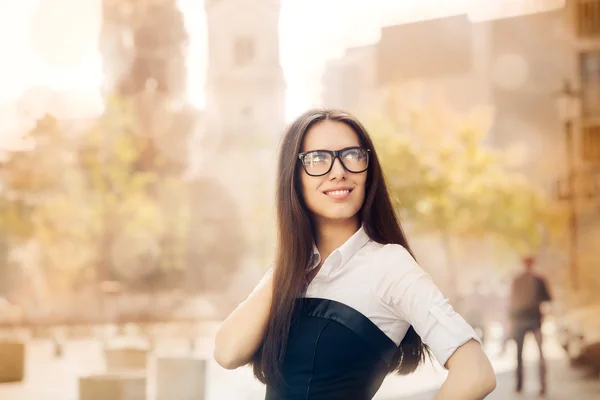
[61,52]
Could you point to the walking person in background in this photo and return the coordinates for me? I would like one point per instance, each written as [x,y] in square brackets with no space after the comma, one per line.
[345,303]
[528,292]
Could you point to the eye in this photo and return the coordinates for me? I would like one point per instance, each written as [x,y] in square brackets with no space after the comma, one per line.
[354,154]
[315,157]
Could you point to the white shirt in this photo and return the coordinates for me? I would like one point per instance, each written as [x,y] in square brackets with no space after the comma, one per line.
[385,284]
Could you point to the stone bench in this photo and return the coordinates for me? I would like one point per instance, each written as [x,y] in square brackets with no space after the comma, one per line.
[180,378]
[12,361]
[113,386]
[126,358]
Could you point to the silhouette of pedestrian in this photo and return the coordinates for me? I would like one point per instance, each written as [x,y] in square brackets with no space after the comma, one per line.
[528,292]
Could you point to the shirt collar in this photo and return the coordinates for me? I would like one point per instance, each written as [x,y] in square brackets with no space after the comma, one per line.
[315,258]
[352,245]
[345,251]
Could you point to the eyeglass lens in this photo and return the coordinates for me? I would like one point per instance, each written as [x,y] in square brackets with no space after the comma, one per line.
[319,162]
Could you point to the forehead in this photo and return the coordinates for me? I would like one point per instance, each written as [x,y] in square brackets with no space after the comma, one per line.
[330,135]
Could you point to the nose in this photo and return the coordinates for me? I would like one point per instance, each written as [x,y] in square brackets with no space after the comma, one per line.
[337,170]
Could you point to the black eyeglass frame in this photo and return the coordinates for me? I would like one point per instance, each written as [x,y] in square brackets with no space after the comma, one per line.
[335,154]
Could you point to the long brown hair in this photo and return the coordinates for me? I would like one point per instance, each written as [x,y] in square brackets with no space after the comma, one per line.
[295,239]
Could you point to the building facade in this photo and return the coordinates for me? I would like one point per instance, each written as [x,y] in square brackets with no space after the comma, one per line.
[583,27]
[347,79]
[245,84]
[245,109]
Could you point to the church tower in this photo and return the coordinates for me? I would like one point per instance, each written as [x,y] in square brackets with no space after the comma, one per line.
[245,85]
[244,116]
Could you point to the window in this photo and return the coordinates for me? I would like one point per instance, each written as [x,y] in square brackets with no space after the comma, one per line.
[590,83]
[591,143]
[588,18]
[246,113]
[244,51]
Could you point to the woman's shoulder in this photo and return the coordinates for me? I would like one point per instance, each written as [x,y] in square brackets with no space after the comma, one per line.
[395,255]
[394,261]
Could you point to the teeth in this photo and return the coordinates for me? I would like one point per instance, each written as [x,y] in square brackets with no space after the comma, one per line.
[338,192]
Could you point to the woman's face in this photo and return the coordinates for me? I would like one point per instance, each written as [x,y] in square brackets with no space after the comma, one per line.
[339,194]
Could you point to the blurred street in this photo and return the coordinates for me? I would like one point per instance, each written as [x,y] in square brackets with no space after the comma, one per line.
[565,383]
[49,378]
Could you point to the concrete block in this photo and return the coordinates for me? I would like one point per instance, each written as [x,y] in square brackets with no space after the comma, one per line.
[180,379]
[12,361]
[41,332]
[113,386]
[126,358]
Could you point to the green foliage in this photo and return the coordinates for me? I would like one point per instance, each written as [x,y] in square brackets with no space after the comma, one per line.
[102,204]
[447,181]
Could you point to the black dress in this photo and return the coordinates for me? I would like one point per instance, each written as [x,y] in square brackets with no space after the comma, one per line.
[334,353]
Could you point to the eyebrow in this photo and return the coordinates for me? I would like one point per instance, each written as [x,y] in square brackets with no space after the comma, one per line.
[341,148]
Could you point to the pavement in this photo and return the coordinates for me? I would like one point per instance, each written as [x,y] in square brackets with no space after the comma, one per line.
[50,378]
[564,383]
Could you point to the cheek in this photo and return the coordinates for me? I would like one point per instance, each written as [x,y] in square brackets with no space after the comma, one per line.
[362,184]
[309,189]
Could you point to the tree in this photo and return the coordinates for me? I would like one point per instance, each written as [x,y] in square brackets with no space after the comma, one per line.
[66,192]
[99,207]
[118,179]
[35,185]
[447,182]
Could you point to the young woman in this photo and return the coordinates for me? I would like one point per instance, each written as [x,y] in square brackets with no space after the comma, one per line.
[345,302]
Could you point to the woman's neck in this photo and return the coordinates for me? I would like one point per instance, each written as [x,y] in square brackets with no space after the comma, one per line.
[333,234]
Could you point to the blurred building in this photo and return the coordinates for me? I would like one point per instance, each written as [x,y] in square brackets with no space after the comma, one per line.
[583,22]
[245,85]
[424,59]
[515,62]
[446,56]
[245,111]
[583,18]
[347,79]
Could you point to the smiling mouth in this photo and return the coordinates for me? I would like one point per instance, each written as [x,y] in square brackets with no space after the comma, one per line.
[338,194]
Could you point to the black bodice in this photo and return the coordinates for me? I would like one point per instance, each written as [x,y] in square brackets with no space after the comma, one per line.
[334,352]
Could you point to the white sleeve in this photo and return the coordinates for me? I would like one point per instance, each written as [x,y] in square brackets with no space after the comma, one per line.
[413,296]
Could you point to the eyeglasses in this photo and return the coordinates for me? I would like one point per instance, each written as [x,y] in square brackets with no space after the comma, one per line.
[320,162]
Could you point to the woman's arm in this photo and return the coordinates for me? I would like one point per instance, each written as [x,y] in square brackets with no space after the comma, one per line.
[415,298]
[470,374]
[242,332]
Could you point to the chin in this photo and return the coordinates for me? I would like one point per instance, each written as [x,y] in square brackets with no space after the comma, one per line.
[339,216]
